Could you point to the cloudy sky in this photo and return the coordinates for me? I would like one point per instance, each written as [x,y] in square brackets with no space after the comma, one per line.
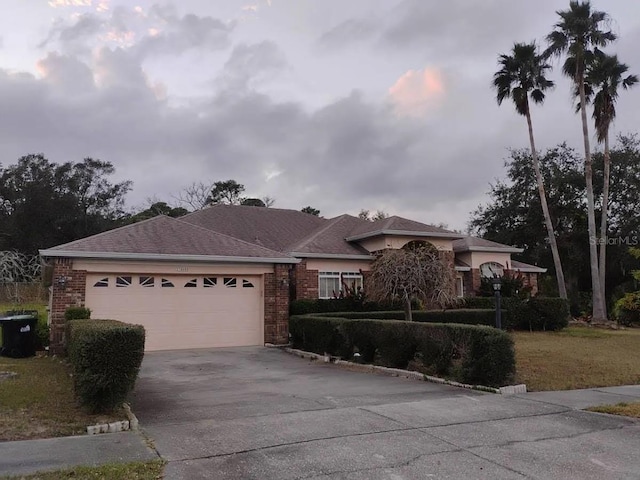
[337,104]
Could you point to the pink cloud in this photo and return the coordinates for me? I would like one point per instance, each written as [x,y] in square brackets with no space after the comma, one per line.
[417,92]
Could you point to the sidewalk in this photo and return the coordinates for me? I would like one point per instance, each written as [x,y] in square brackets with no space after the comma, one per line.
[31,456]
[589,397]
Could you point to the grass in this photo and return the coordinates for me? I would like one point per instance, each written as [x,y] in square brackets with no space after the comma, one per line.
[112,471]
[626,409]
[40,402]
[577,357]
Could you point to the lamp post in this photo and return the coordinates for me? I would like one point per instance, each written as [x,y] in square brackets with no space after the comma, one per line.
[497,284]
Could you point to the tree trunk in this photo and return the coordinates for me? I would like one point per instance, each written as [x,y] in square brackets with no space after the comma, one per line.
[602,265]
[408,316]
[562,288]
[598,313]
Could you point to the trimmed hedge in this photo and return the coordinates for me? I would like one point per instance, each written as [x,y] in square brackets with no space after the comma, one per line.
[537,313]
[106,356]
[468,353]
[335,305]
[461,316]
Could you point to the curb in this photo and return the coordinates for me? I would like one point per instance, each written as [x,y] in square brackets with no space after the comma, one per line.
[396,372]
[122,426]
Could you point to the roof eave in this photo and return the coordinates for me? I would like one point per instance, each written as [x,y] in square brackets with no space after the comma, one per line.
[529,269]
[335,256]
[405,233]
[164,257]
[489,249]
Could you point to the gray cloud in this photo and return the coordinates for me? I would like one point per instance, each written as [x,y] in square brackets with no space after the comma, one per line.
[349,32]
[249,64]
[178,34]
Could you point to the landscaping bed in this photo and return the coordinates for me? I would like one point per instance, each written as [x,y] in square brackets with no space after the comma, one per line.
[577,357]
[40,402]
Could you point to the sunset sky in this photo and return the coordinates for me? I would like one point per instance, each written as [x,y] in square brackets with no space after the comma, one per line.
[337,104]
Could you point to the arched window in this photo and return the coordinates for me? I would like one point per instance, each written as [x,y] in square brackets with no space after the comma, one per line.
[491,270]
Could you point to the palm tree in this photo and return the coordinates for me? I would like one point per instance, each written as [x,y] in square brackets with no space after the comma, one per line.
[522,75]
[579,35]
[603,77]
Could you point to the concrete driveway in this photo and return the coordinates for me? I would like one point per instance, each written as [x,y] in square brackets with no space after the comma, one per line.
[259,413]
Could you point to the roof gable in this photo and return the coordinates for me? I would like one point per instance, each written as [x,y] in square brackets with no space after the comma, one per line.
[329,239]
[476,244]
[399,226]
[163,235]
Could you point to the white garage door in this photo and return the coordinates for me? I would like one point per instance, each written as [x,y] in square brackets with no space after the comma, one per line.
[182,311]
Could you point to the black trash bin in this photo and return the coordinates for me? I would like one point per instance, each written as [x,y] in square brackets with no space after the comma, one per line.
[18,336]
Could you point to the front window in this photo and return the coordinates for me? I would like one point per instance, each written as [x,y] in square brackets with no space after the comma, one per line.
[332,284]
[491,270]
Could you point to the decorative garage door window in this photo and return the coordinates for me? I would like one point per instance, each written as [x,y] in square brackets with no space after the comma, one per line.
[146,281]
[123,281]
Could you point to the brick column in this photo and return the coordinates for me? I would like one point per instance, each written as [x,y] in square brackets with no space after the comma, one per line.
[306,281]
[71,294]
[276,306]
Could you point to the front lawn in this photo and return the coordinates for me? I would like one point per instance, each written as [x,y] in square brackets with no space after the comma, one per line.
[39,402]
[129,471]
[577,357]
[626,409]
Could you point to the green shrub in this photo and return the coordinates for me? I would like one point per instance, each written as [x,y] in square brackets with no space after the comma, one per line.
[335,305]
[486,303]
[468,353]
[106,357]
[77,313]
[627,309]
[537,313]
[463,316]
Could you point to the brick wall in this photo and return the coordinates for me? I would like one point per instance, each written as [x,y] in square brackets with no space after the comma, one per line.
[276,306]
[72,294]
[306,282]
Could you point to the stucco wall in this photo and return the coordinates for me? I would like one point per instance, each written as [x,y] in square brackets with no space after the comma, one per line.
[122,266]
[478,258]
[329,265]
[393,241]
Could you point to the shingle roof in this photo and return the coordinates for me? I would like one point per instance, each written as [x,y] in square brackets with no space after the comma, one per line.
[163,235]
[330,238]
[525,267]
[272,228]
[480,244]
[399,225]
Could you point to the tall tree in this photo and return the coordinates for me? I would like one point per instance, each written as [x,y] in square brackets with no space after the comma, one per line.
[604,75]
[371,216]
[579,34]
[43,204]
[522,75]
[228,192]
[311,211]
